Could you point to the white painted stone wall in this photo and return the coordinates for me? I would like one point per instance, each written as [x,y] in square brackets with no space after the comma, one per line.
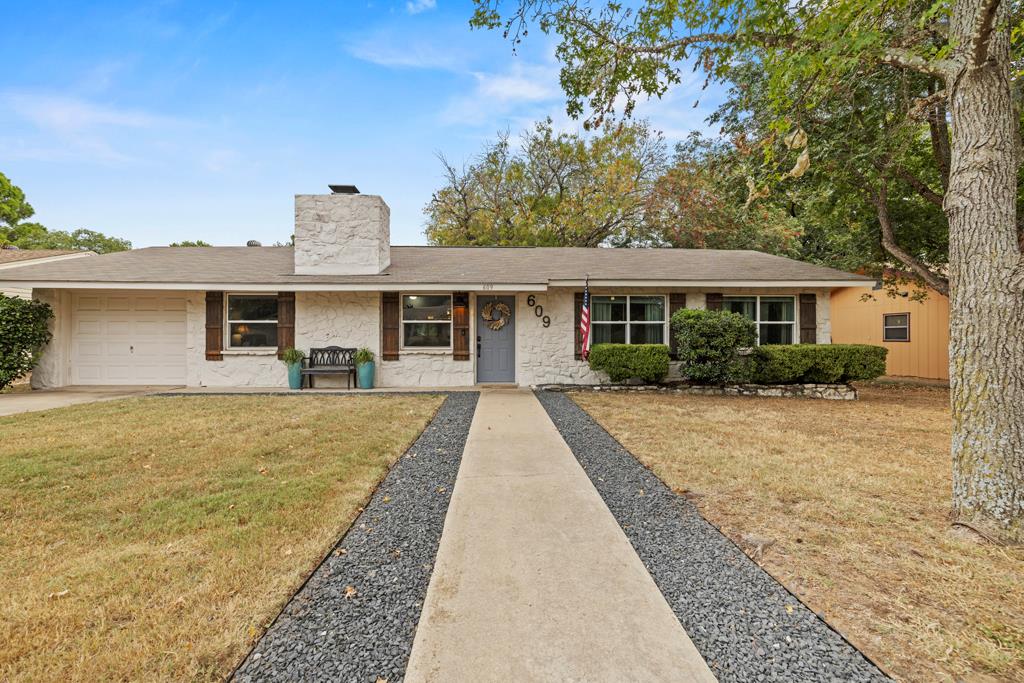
[52,370]
[341,234]
[347,319]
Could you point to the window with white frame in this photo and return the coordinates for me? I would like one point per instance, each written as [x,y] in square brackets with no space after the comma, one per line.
[252,321]
[627,319]
[427,321]
[775,316]
[896,327]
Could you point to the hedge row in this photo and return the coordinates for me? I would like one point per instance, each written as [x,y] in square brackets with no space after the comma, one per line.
[820,364]
[648,362]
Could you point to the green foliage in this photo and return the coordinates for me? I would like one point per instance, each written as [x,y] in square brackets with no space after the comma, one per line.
[825,363]
[14,211]
[23,334]
[190,243]
[555,189]
[364,355]
[708,344]
[292,356]
[621,362]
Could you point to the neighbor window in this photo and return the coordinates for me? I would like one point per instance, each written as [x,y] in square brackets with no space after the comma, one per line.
[252,320]
[427,321]
[775,316]
[896,327]
[628,319]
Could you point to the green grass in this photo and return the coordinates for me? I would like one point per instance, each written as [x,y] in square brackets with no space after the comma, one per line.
[154,538]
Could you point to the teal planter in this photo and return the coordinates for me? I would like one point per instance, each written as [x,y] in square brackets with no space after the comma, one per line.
[365,373]
[295,376]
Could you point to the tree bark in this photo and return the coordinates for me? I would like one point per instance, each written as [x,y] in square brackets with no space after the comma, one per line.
[986,303]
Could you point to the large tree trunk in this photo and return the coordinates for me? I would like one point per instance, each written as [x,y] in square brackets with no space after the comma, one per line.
[987,304]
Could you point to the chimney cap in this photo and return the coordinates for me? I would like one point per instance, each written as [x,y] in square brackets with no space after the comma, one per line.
[344,189]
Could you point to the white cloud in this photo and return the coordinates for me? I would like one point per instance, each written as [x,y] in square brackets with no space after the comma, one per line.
[414,56]
[504,94]
[417,6]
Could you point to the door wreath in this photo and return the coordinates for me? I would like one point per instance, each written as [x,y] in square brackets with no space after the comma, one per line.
[503,311]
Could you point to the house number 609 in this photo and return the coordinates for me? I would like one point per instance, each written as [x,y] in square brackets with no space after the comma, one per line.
[538,310]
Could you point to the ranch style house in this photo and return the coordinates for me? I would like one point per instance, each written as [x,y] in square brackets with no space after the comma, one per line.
[434,316]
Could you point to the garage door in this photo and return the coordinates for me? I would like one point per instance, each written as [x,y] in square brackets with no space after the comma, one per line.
[128,339]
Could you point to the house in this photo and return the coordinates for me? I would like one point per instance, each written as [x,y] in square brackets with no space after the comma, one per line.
[12,257]
[915,330]
[219,316]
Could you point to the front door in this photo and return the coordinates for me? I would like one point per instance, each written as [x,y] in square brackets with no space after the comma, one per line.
[496,348]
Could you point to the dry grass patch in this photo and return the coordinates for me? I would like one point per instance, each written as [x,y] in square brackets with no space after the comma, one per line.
[856,498]
[154,538]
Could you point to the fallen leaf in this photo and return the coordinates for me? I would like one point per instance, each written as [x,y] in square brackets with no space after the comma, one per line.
[350,592]
[59,594]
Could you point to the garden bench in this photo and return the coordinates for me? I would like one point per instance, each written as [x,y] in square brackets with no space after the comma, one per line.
[331,360]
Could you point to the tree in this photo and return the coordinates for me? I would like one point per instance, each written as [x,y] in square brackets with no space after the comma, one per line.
[190,243]
[15,231]
[961,51]
[23,334]
[556,189]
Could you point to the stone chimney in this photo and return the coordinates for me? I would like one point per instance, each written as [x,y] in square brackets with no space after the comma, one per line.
[342,233]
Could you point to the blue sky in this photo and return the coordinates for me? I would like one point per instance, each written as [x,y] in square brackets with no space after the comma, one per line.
[168,120]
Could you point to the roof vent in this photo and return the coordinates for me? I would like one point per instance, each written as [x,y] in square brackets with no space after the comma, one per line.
[344,189]
[253,243]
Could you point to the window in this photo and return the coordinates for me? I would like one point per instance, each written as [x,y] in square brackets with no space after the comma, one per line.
[775,316]
[427,321]
[628,319]
[896,327]
[252,321]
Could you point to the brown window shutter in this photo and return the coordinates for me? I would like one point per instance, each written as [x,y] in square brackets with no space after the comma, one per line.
[808,319]
[460,325]
[577,315]
[676,302]
[390,320]
[285,321]
[713,301]
[214,325]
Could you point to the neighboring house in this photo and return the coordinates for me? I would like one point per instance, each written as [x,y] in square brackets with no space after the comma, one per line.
[915,332]
[218,316]
[13,258]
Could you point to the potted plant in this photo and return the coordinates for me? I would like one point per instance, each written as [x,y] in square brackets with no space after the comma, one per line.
[365,368]
[293,359]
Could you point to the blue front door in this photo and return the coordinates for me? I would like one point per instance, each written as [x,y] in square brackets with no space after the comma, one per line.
[496,349]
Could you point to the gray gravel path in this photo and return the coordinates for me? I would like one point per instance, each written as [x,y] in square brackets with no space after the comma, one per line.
[322,635]
[735,612]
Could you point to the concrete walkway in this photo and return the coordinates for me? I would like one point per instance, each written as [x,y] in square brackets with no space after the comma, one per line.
[534,579]
[24,401]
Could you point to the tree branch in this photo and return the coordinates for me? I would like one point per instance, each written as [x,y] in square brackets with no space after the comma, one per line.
[982,31]
[881,201]
[905,59]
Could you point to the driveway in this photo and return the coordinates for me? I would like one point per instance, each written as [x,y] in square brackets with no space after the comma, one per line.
[29,401]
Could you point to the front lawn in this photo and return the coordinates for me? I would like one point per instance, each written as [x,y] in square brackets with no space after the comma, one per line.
[854,498]
[155,538]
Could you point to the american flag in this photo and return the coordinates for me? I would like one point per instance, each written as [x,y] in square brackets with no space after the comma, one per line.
[585,321]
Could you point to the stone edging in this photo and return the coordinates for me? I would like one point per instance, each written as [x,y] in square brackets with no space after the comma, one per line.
[834,392]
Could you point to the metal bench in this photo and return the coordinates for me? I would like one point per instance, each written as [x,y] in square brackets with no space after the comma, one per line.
[331,360]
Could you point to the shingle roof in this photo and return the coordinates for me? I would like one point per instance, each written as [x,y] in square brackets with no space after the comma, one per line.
[17,255]
[423,265]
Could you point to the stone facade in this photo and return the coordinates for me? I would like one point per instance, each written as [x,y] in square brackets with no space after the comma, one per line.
[834,392]
[341,234]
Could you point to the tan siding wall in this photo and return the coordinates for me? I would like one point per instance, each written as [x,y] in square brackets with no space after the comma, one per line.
[926,355]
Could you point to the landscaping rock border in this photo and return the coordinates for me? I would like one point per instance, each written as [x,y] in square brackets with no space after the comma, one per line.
[745,623]
[834,392]
[356,616]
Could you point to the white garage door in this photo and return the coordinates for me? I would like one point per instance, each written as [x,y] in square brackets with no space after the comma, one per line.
[128,338]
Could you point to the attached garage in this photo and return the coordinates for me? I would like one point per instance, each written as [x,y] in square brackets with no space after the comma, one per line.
[128,338]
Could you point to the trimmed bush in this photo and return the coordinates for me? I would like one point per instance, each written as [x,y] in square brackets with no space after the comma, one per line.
[648,362]
[818,364]
[23,334]
[709,343]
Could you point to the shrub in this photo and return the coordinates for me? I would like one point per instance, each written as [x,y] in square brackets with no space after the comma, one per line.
[648,362]
[23,334]
[709,343]
[292,356]
[827,363]
[363,356]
